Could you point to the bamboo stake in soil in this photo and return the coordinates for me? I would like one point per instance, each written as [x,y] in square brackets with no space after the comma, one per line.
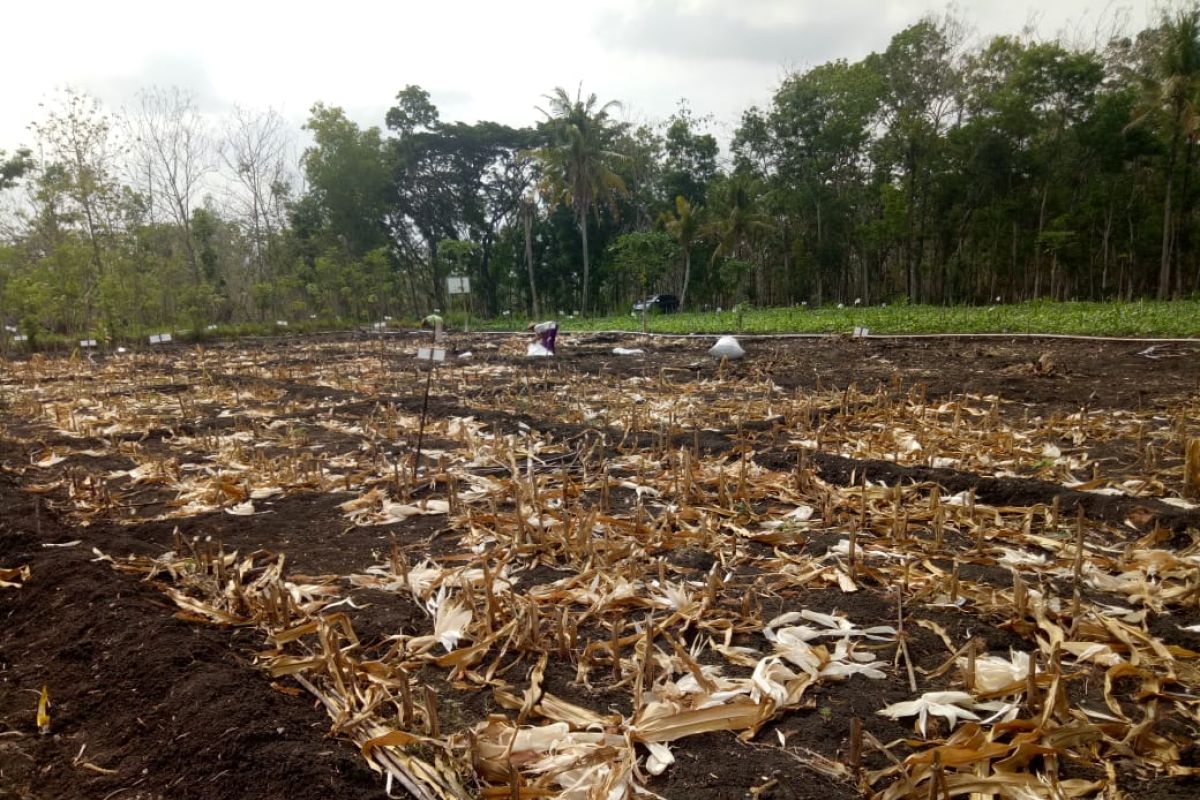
[406,703]
[969,673]
[424,414]
[432,712]
[856,742]
[615,647]
[902,646]
[1031,692]
[1078,570]
[852,550]
[1191,468]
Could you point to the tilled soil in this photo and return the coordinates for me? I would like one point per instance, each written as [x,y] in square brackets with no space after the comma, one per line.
[145,705]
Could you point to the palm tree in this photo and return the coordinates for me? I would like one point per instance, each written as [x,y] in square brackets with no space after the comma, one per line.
[577,166]
[1172,90]
[528,210]
[684,227]
[739,224]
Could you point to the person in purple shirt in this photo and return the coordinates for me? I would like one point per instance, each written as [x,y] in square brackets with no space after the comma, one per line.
[546,333]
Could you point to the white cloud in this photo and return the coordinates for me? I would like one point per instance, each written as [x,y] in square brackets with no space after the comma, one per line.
[479,60]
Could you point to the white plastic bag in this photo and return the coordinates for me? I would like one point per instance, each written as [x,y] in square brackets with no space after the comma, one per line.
[727,347]
[628,351]
[536,349]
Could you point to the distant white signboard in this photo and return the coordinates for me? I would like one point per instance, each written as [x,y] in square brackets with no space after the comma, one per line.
[87,342]
[431,354]
[160,338]
[457,284]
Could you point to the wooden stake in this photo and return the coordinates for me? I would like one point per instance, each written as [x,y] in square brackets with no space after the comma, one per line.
[903,643]
[852,550]
[856,741]
[1031,692]
[1020,595]
[938,779]
[406,703]
[432,712]
[712,586]
[1191,468]
[489,613]
[1076,604]
[564,647]
[615,649]
[862,499]
[514,781]
[969,672]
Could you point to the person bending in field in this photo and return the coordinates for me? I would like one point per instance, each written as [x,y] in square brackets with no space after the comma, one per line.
[435,322]
[546,333]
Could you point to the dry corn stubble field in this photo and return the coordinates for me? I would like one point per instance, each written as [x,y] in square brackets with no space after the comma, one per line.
[834,569]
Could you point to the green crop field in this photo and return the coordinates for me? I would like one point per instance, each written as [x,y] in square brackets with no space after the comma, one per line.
[1167,319]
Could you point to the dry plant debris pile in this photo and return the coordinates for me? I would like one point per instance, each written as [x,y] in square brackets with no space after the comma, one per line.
[616,566]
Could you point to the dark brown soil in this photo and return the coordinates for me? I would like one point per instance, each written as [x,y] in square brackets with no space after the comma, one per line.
[176,709]
[143,705]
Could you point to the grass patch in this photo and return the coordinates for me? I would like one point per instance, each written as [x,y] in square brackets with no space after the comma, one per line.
[1179,318]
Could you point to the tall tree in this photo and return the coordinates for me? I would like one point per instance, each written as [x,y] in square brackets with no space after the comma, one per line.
[683,225]
[738,224]
[815,142]
[691,156]
[257,149]
[1172,92]
[644,257]
[921,82]
[454,181]
[578,166]
[349,176]
[78,178]
[528,211]
[172,154]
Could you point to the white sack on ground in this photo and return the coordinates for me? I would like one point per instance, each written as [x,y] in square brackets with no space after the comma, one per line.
[727,347]
[536,349]
[628,351]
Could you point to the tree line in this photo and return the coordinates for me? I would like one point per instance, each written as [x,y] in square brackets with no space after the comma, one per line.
[935,171]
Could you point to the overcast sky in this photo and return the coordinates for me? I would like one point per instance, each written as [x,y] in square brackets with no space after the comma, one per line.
[484,59]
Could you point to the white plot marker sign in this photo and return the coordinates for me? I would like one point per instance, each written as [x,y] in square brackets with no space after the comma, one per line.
[160,338]
[461,285]
[431,354]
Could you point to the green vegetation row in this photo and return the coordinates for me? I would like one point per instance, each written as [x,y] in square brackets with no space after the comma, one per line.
[1170,319]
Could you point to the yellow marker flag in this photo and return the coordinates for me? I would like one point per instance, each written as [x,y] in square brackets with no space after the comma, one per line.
[43,712]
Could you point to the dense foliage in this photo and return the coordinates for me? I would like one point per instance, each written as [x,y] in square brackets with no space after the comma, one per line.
[933,172]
